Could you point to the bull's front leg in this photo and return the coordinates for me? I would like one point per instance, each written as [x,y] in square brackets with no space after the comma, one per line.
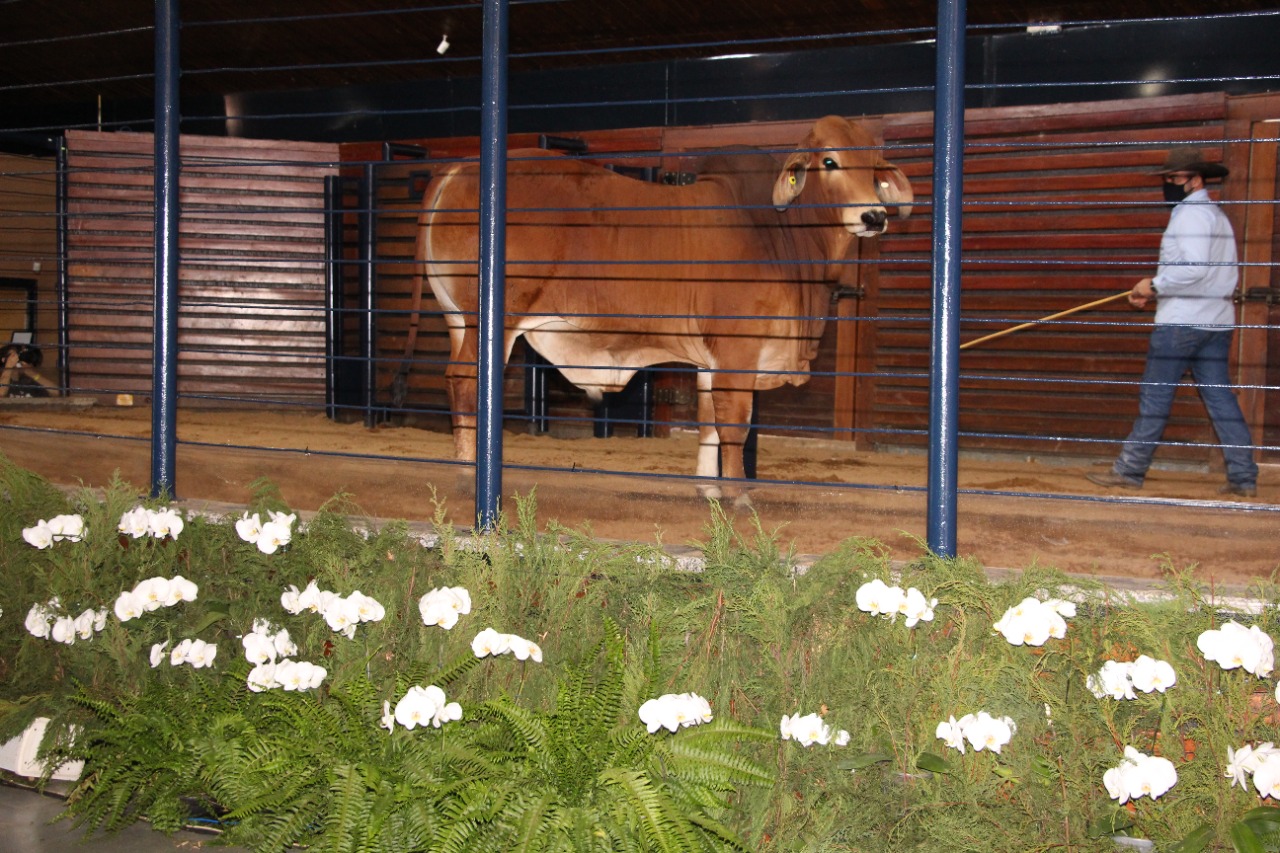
[724,418]
[733,419]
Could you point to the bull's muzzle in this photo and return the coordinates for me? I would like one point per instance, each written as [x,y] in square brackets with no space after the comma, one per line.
[875,219]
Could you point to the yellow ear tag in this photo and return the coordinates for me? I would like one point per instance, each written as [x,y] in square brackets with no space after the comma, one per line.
[791,179]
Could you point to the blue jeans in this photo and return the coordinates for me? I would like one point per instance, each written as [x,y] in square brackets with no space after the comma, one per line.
[1172,350]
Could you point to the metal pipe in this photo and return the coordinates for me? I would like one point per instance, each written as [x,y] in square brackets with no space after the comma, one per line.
[368,284]
[944,362]
[164,397]
[493,204]
[332,292]
[64,312]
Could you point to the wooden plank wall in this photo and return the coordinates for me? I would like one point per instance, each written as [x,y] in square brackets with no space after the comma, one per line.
[1060,209]
[252,274]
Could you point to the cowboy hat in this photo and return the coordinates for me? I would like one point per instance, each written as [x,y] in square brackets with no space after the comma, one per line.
[1186,158]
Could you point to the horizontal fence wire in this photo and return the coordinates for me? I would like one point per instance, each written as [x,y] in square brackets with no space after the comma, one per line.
[297,297]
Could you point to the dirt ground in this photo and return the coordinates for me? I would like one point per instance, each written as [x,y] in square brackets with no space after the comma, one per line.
[1011,513]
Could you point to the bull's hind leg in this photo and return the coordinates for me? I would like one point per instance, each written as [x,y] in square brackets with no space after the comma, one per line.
[460,382]
[708,439]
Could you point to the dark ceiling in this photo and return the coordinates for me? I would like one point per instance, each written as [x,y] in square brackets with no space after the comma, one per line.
[82,50]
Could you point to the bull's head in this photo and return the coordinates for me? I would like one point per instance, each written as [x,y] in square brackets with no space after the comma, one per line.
[850,173]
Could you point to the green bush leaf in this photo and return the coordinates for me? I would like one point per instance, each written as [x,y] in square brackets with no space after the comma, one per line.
[1245,840]
[933,763]
[1116,820]
[1198,840]
[866,759]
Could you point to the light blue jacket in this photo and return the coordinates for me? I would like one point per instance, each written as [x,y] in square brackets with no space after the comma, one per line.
[1197,273]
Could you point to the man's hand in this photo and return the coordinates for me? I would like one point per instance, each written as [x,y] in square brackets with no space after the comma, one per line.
[1141,294]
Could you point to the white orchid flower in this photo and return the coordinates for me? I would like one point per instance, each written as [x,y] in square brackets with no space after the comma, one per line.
[490,642]
[1234,646]
[39,621]
[951,733]
[84,624]
[872,597]
[249,527]
[38,536]
[842,738]
[810,729]
[388,719]
[1140,775]
[917,608]
[1032,622]
[416,708]
[283,644]
[63,630]
[201,654]
[987,732]
[1113,680]
[100,619]
[1239,765]
[158,653]
[134,523]
[285,519]
[310,598]
[443,606]
[367,607]
[290,599]
[299,675]
[674,710]
[1266,778]
[262,677]
[1152,676]
[181,589]
[258,648]
[180,653]
[342,614]
[273,536]
[129,605]
[524,649]
[153,593]
[167,522]
[68,527]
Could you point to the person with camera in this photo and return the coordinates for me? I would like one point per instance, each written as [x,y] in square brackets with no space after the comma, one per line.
[19,377]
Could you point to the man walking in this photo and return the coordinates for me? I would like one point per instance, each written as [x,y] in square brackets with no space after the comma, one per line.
[1193,287]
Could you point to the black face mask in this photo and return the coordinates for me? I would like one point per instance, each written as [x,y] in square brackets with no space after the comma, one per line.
[1174,193]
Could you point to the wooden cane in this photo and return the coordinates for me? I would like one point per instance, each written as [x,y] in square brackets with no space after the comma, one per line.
[1094,304]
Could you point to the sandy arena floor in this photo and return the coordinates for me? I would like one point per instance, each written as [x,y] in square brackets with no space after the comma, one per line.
[1052,517]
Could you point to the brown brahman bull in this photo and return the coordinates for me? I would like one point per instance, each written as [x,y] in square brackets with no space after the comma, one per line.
[607,275]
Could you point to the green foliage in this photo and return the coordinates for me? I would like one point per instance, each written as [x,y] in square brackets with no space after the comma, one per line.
[552,756]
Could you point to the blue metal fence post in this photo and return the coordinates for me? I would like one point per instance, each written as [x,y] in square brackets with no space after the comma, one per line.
[164,397]
[944,361]
[493,205]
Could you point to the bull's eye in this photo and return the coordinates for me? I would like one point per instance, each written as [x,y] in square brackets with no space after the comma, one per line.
[828,163]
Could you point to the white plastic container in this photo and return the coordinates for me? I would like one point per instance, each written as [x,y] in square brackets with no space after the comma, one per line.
[18,755]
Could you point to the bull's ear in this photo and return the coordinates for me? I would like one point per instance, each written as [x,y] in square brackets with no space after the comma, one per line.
[791,181]
[894,189]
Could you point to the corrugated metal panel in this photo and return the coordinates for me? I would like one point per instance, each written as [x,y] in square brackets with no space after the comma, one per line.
[252,321]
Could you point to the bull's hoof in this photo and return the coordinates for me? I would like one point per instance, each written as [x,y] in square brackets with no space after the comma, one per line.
[742,503]
[711,493]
